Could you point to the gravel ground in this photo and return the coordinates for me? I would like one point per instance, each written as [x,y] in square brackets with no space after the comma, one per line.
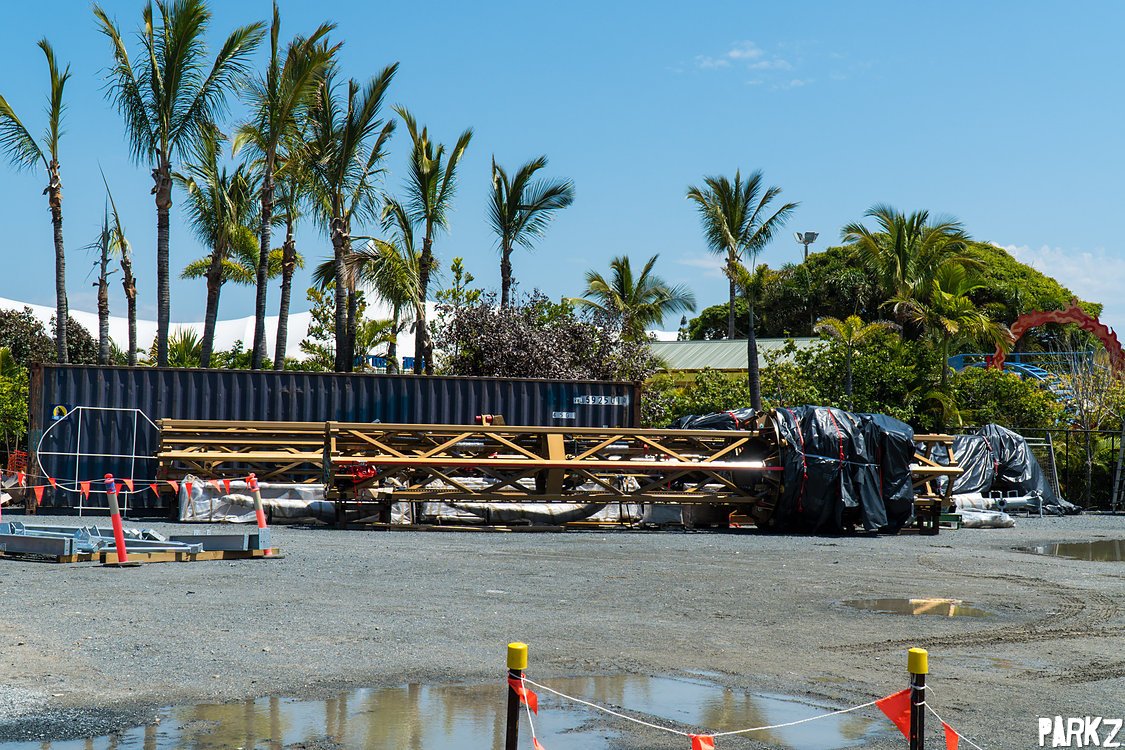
[761,612]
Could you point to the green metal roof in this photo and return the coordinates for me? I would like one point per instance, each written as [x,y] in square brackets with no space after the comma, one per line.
[718,354]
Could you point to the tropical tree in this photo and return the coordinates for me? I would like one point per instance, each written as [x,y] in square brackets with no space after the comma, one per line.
[102,246]
[291,196]
[392,268]
[851,332]
[519,210]
[220,206]
[634,301]
[431,184]
[752,285]
[738,221]
[905,253]
[278,101]
[346,147]
[119,245]
[167,100]
[24,152]
[947,315]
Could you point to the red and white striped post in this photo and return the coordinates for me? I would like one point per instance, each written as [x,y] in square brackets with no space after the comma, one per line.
[259,510]
[115,519]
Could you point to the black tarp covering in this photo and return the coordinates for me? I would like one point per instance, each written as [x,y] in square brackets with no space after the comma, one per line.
[839,468]
[995,458]
[842,469]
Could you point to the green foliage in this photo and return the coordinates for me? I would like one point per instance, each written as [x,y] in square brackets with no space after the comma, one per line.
[238,357]
[81,346]
[24,337]
[538,339]
[459,292]
[319,346]
[13,406]
[985,395]
[833,284]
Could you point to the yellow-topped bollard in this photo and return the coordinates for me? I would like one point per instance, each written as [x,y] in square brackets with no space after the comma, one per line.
[917,661]
[517,655]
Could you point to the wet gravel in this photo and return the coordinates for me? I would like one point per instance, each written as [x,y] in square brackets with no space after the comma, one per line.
[86,649]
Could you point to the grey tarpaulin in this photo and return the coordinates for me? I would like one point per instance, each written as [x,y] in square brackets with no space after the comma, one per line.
[839,468]
[995,458]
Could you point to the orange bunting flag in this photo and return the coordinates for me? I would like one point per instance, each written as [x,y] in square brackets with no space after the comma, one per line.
[38,489]
[951,737]
[527,697]
[20,477]
[187,488]
[85,488]
[175,485]
[226,486]
[535,743]
[128,483]
[215,483]
[702,742]
[155,489]
[53,482]
[897,709]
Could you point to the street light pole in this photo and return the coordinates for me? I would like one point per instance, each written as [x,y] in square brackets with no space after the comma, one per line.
[806,239]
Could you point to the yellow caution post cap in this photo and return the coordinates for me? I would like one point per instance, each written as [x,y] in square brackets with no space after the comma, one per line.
[517,655]
[918,661]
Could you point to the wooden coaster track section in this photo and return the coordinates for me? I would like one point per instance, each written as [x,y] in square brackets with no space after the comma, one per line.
[496,464]
[547,464]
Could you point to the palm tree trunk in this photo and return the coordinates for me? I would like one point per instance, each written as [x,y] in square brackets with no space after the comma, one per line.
[339,238]
[752,359]
[848,377]
[733,297]
[162,177]
[129,285]
[288,267]
[392,345]
[214,285]
[421,330]
[505,274]
[257,358]
[353,314]
[103,318]
[62,314]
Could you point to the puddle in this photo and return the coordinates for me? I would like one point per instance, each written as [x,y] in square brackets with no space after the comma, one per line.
[471,717]
[938,607]
[1104,550]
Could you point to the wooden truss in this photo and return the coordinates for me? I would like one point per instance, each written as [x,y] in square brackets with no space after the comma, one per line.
[496,463]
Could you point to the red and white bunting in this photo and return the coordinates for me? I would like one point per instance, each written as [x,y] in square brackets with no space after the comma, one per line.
[38,490]
[128,483]
[952,739]
[527,697]
[84,487]
[702,742]
[53,482]
[897,709]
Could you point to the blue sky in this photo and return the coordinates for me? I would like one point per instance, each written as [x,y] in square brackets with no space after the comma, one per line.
[1007,115]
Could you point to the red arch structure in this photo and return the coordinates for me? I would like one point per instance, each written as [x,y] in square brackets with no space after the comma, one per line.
[1073,314]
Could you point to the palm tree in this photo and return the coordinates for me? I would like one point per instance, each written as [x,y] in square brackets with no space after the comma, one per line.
[520,210]
[905,253]
[102,244]
[634,302]
[393,270]
[119,245]
[24,152]
[947,315]
[278,101]
[289,201]
[851,332]
[220,209]
[430,186]
[184,348]
[737,222]
[167,100]
[342,164]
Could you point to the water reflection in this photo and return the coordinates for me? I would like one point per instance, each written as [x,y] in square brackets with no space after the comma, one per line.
[940,607]
[1105,550]
[471,717]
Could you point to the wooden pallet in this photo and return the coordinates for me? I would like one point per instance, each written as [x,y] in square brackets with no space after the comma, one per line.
[110,558]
